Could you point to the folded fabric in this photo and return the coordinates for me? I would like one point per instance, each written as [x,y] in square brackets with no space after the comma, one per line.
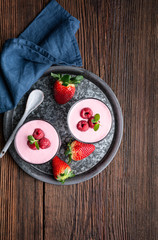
[48,40]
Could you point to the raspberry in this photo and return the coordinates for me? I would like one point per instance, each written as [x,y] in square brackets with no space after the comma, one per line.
[38,133]
[44,143]
[32,146]
[82,126]
[91,125]
[86,113]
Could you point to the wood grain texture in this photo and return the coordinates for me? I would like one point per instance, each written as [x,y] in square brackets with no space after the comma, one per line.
[118,42]
[21,197]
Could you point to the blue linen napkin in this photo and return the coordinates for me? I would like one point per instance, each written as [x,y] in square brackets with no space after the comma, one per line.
[48,40]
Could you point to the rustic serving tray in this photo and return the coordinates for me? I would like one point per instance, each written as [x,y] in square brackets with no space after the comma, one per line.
[91,86]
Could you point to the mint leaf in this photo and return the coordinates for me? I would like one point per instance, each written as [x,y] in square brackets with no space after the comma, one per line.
[96,127]
[31,139]
[96,117]
[54,75]
[37,145]
[93,121]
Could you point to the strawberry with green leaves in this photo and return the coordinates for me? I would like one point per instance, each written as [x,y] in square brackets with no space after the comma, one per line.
[64,87]
[61,170]
[77,150]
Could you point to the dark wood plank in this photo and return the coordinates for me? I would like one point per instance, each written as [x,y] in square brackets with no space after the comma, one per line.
[21,197]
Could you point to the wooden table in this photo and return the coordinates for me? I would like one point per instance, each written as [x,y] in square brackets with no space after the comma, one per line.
[117,40]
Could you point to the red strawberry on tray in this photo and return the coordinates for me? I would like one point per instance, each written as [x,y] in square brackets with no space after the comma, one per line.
[64,87]
[61,170]
[78,150]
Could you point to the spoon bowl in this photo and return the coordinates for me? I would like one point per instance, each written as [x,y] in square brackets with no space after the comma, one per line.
[35,98]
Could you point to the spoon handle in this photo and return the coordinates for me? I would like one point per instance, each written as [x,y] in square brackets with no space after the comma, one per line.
[11,138]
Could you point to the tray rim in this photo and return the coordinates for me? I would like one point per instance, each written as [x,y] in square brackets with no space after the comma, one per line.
[108,157]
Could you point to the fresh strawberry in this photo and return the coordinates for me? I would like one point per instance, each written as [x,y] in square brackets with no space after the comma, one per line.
[44,143]
[78,150]
[64,87]
[38,133]
[61,170]
[63,94]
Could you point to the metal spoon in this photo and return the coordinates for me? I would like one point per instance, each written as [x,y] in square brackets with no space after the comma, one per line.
[35,98]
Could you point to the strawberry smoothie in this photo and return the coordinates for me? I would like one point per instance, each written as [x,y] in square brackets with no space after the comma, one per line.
[36,156]
[98,107]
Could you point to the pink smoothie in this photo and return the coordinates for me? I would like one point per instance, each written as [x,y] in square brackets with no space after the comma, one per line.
[90,136]
[36,156]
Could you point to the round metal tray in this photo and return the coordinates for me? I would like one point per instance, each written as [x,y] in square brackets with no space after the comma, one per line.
[91,86]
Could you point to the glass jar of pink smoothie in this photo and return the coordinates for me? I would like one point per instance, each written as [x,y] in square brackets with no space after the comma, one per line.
[37,156]
[97,107]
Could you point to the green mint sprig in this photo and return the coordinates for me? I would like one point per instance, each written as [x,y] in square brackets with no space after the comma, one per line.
[33,140]
[96,121]
[67,79]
